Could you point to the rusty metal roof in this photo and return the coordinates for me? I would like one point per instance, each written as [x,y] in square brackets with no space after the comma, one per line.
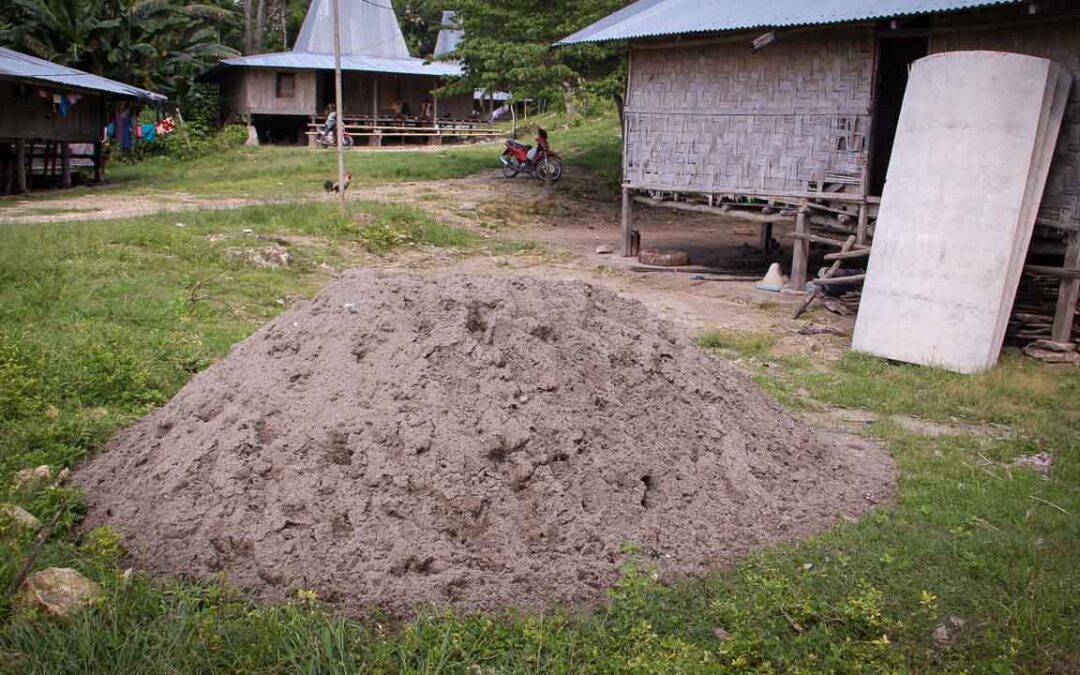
[650,18]
[25,68]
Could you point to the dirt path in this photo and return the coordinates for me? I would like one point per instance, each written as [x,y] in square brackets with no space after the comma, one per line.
[108,205]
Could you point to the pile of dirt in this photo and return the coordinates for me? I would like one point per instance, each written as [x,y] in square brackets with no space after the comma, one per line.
[476,441]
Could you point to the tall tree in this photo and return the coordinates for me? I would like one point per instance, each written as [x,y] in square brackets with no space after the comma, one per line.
[508,47]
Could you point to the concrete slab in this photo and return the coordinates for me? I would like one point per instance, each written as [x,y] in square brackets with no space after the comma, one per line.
[968,169]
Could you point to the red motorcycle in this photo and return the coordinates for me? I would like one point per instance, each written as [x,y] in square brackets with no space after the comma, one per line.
[540,162]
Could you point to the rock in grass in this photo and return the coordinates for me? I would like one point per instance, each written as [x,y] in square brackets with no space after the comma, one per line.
[605,249]
[58,591]
[23,519]
[31,479]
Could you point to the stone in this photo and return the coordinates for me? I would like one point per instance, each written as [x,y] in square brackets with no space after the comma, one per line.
[58,591]
[1053,352]
[22,518]
[664,258]
[605,249]
[31,479]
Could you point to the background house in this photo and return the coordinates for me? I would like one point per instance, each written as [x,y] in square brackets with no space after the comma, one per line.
[385,90]
[764,109]
[51,115]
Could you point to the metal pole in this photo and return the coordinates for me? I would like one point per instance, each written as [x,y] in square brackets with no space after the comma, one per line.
[339,132]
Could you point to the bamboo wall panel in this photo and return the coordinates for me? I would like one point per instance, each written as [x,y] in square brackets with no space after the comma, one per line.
[791,118]
[1059,42]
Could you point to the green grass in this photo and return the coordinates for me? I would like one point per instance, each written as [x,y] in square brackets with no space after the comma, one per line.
[738,343]
[102,321]
[283,173]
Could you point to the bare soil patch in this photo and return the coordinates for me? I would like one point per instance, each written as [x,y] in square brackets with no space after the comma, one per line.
[470,440]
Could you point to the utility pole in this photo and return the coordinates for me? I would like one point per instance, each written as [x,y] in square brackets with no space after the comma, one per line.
[340,131]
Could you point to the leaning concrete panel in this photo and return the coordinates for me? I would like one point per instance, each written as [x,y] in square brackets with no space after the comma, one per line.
[968,170]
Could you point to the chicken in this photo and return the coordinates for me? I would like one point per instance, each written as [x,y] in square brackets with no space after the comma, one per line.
[331,186]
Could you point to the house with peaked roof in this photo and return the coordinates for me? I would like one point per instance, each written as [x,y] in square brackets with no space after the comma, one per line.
[783,112]
[386,91]
[48,112]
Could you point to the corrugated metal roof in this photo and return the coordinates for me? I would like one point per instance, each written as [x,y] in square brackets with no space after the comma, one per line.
[450,36]
[350,62]
[24,67]
[648,18]
[368,27]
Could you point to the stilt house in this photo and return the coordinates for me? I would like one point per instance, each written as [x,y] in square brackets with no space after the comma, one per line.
[385,91]
[52,115]
[785,111]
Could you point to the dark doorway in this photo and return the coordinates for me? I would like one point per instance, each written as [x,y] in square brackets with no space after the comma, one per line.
[895,55]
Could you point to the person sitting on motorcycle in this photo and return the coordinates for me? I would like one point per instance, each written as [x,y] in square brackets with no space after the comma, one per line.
[541,142]
[331,119]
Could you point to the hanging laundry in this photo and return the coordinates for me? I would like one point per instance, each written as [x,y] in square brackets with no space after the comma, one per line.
[148,132]
[62,104]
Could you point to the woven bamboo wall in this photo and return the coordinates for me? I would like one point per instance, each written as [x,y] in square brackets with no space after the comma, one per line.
[1060,42]
[790,119]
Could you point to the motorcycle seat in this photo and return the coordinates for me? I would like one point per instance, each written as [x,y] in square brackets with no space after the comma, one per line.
[516,144]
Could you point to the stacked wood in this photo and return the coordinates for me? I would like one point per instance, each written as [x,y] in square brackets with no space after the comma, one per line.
[1032,315]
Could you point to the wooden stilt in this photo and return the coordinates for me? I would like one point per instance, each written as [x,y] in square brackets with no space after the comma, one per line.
[627,221]
[1065,314]
[801,256]
[99,163]
[65,164]
[20,165]
[864,224]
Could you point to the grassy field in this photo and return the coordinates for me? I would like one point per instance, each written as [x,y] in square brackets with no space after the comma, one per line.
[972,569]
[284,173]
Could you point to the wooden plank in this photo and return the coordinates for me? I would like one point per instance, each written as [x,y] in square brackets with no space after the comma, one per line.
[828,274]
[864,224]
[801,255]
[99,164]
[838,280]
[65,164]
[1068,272]
[20,165]
[1069,293]
[848,255]
[715,210]
[627,221]
[803,236]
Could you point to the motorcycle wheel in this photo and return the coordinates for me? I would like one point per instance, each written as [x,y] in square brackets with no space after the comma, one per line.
[347,141]
[549,170]
[508,169]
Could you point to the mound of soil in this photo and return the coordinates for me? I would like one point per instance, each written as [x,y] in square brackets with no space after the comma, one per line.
[477,441]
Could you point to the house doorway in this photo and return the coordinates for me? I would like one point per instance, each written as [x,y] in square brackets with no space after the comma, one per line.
[895,56]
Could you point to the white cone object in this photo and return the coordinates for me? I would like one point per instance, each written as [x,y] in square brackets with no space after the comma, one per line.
[773,281]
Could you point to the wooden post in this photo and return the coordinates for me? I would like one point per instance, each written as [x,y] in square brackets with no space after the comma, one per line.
[20,165]
[99,163]
[1068,294]
[65,164]
[864,224]
[376,137]
[801,256]
[627,221]
[339,132]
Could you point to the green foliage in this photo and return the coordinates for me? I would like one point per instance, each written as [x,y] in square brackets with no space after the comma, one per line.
[507,47]
[190,140]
